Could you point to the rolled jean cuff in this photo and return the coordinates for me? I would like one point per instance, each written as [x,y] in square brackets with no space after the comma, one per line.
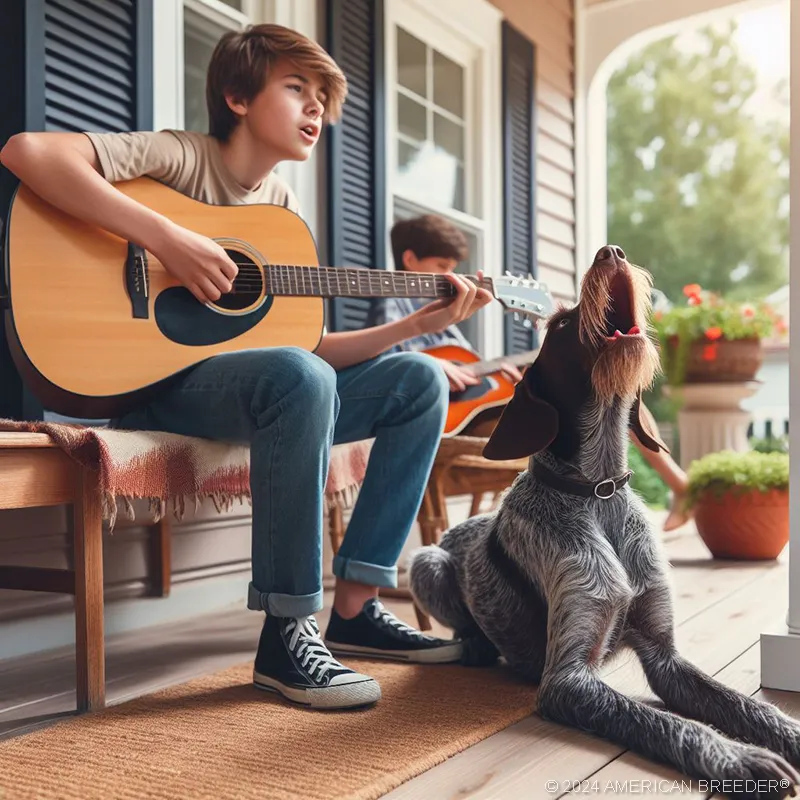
[360,572]
[284,605]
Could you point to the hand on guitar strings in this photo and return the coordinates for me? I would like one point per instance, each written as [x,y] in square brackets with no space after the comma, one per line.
[441,314]
[510,372]
[459,377]
[198,262]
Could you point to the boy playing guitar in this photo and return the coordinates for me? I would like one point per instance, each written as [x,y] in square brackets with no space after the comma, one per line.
[269,93]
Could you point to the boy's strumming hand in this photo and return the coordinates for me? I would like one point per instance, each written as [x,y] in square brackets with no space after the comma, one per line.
[510,372]
[458,376]
[198,262]
[440,314]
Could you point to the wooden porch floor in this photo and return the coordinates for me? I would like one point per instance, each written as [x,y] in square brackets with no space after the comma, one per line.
[721,610]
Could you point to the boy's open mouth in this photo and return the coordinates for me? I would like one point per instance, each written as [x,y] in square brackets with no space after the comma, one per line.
[310,131]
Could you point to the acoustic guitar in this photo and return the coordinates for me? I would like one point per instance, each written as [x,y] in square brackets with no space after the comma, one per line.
[493,391]
[96,325]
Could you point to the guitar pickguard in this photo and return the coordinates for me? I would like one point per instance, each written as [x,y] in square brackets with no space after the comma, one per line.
[183,320]
[474,392]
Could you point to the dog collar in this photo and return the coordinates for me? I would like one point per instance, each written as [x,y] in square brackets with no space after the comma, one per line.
[604,490]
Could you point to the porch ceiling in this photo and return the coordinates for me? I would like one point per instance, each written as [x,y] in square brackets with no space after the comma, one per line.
[607,26]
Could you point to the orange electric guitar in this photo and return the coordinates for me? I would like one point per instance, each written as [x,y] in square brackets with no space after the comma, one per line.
[95,324]
[493,391]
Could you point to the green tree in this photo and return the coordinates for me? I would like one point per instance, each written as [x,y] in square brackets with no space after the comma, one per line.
[697,184]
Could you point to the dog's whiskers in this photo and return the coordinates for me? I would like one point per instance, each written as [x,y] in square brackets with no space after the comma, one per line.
[594,304]
[625,370]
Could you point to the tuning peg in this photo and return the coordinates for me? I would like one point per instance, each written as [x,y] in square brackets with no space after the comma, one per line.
[526,323]
[516,316]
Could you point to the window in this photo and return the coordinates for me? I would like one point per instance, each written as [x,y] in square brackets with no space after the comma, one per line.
[204,21]
[431,125]
[443,92]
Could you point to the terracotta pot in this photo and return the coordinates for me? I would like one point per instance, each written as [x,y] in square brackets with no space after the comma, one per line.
[735,361]
[749,525]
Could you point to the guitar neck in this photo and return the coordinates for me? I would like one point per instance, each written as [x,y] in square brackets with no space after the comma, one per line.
[480,368]
[281,279]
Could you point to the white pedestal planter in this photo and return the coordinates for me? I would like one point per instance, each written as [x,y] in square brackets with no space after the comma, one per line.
[711,418]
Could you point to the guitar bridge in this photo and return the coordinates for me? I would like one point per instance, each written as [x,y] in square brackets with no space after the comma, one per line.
[137,281]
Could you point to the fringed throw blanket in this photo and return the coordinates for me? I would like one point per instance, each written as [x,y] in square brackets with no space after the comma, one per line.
[166,468]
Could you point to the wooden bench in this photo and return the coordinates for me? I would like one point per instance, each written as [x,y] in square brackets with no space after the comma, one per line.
[35,472]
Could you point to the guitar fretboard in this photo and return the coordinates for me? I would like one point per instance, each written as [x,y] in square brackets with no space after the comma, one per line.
[356,282]
[481,368]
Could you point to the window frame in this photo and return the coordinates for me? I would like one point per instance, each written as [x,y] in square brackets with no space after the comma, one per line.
[468,32]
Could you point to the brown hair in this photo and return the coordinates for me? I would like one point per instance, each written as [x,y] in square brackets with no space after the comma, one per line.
[241,64]
[428,236]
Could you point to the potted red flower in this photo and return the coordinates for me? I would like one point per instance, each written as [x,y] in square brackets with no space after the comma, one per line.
[713,340]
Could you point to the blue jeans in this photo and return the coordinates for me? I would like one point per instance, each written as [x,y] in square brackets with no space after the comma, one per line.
[291,407]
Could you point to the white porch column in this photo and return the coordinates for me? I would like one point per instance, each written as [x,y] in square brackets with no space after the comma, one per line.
[780,650]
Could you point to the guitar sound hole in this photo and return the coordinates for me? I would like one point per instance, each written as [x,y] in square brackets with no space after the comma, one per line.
[247,285]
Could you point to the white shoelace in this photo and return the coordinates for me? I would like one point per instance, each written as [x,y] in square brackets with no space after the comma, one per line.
[380,612]
[307,645]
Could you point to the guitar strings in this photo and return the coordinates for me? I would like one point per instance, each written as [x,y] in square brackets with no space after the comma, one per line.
[288,279]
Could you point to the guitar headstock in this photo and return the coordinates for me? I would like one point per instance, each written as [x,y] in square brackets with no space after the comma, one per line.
[525,296]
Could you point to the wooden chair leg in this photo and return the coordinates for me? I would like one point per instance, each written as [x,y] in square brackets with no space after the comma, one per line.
[439,504]
[336,527]
[423,620]
[161,557]
[89,633]
[475,508]
[427,532]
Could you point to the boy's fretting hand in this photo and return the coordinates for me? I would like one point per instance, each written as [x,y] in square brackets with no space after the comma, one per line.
[440,314]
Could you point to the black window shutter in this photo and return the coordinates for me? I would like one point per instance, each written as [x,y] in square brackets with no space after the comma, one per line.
[69,65]
[356,151]
[519,173]
[97,65]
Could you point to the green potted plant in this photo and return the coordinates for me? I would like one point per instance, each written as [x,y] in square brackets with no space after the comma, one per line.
[713,340]
[741,503]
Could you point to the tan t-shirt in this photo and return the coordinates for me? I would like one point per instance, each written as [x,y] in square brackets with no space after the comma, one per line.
[188,162]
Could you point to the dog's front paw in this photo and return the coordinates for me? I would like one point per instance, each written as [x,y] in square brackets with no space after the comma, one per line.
[760,773]
[783,737]
[478,652]
[790,736]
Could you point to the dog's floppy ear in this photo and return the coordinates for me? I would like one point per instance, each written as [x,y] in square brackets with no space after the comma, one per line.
[527,426]
[645,427]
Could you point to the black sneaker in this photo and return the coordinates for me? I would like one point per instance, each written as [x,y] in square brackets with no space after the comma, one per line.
[375,631]
[293,661]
